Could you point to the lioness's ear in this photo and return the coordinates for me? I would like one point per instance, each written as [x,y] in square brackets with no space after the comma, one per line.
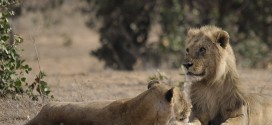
[222,38]
[169,94]
[152,83]
[192,31]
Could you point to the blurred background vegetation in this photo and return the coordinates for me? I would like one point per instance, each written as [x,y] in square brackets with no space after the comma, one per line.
[126,27]
[151,33]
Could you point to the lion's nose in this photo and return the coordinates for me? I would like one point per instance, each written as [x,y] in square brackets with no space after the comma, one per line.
[188,65]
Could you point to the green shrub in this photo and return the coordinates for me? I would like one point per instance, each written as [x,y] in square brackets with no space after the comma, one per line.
[12,67]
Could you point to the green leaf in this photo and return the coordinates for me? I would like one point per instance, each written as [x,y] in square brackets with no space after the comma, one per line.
[23,79]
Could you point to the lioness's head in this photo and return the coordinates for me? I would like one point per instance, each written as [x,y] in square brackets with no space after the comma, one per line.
[208,52]
[179,106]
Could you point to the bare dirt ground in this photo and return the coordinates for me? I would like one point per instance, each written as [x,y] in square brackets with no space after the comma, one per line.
[73,75]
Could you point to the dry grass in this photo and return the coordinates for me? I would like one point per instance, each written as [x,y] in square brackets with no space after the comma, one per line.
[105,85]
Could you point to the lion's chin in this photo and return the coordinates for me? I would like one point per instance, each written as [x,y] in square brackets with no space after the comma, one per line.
[195,77]
[192,78]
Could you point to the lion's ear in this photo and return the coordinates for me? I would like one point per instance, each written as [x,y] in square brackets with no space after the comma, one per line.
[222,38]
[169,94]
[152,83]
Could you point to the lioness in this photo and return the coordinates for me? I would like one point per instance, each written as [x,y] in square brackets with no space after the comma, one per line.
[159,105]
[217,94]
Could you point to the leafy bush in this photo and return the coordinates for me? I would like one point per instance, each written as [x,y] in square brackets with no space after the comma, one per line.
[12,68]
[124,32]
[248,22]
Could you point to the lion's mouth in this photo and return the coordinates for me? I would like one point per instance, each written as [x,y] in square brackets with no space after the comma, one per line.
[193,74]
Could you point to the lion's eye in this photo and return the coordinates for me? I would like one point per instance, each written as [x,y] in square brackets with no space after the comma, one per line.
[202,50]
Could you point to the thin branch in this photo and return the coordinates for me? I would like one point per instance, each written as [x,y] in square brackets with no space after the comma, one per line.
[38,58]
[36,51]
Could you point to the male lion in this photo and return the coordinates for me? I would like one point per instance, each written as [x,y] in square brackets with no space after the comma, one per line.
[159,105]
[217,94]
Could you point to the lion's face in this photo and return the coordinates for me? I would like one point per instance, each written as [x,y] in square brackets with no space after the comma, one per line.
[181,106]
[175,101]
[205,53]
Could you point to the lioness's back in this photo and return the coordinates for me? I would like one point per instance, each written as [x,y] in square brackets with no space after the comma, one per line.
[54,112]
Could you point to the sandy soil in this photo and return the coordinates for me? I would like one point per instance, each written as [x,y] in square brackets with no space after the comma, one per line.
[73,75]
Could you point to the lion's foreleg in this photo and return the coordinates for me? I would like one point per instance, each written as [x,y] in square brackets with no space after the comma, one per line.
[241,119]
[236,121]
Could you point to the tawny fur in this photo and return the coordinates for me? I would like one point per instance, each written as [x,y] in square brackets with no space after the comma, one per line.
[217,94]
[151,107]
